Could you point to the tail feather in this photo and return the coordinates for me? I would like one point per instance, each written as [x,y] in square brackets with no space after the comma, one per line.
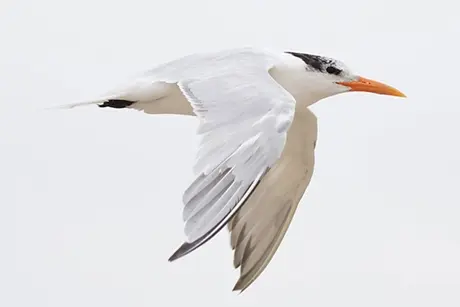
[109,101]
[97,101]
[141,91]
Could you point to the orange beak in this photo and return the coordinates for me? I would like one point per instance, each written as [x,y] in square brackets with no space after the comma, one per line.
[371,86]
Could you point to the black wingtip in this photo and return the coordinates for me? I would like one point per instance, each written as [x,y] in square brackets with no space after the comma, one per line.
[239,287]
[236,288]
[183,250]
[116,103]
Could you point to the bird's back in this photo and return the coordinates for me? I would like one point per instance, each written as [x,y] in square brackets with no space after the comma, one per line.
[206,65]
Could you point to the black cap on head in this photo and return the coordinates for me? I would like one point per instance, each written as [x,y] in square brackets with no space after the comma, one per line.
[318,63]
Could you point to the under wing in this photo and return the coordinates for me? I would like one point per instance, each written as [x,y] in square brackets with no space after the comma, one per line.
[259,226]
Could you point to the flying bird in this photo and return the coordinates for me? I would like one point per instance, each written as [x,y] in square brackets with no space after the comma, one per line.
[257,139]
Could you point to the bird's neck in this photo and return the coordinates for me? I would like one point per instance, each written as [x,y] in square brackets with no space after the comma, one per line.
[291,75]
[302,92]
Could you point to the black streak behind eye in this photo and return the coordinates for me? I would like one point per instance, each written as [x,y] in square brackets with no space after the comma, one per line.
[333,70]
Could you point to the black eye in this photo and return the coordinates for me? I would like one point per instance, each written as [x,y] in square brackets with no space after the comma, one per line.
[333,70]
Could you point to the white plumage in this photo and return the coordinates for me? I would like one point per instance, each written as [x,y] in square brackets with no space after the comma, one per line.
[256,153]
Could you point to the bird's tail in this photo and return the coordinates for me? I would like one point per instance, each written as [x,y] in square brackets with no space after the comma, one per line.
[100,101]
[140,91]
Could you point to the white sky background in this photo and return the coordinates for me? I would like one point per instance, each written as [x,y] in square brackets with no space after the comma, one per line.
[90,202]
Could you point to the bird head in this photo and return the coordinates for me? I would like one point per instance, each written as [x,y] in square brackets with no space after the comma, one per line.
[327,77]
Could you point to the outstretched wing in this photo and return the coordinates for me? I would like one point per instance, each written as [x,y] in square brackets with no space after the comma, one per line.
[244,119]
[258,228]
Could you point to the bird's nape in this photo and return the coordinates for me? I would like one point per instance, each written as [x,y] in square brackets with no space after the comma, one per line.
[362,84]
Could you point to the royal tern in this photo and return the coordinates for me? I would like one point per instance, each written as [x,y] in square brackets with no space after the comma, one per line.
[258,138]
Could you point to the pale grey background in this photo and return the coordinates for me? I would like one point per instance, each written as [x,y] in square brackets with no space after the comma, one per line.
[90,202]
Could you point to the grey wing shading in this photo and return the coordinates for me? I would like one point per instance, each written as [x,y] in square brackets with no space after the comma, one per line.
[259,226]
[244,119]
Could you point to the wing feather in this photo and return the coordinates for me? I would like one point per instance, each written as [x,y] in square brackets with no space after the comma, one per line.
[254,162]
[242,154]
[244,118]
